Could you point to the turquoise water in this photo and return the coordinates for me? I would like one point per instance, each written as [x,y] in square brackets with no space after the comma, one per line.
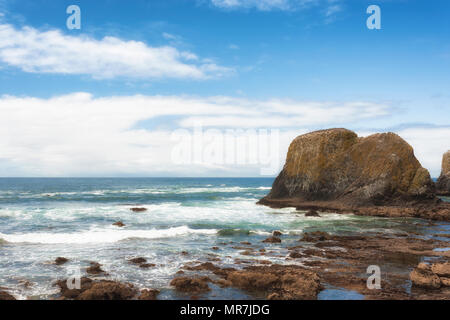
[41,219]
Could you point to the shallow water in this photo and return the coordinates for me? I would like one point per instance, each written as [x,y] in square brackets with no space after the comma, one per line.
[41,219]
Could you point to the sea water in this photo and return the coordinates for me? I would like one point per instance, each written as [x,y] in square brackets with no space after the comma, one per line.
[41,219]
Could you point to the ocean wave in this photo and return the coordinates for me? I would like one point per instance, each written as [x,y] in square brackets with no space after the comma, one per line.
[102,235]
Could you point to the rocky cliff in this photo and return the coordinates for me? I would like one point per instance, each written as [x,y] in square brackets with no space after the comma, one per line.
[336,169]
[443,183]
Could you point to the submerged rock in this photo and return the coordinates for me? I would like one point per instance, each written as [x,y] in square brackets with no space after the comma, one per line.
[119,224]
[95,268]
[60,260]
[138,209]
[312,213]
[272,240]
[443,183]
[139,260]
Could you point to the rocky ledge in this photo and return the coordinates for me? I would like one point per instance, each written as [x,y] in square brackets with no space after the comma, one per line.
[335,170]
[443,183]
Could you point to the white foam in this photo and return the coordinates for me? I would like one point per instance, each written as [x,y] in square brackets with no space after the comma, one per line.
[102,235]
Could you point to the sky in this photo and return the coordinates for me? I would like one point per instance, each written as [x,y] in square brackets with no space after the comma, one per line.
[214,87]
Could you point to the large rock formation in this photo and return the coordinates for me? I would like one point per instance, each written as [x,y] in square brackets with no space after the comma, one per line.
[336,169]
[443,183]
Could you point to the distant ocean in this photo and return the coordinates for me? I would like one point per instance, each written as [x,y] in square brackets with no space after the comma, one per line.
[41,219]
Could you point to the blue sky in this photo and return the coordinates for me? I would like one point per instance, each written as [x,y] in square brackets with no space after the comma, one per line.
[278,64]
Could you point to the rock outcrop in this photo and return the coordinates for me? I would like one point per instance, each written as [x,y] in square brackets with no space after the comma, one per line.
[443,183]
[337,170]
[431,277]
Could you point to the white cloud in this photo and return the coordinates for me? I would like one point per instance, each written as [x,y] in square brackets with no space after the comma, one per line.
[52,51]
[79,134]
[268,5]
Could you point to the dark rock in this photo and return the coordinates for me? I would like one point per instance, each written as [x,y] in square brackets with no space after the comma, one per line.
[119,224]
[60,260]
[277,233]
[95,268]
[149,294]
[108,290]
[138,209]
[315,236]
[215,248]
[147,265]
[191,285]
[85,283]
[279,282]
[6,296]
[312,213]
[138,260]
[272,240]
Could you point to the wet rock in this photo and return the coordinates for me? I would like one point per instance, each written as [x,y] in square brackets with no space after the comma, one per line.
[108,290]
[315,236]
[441,269]
[147,265]
[279,282]
[6,296]
[246,243]
[272,240]
[138,209]
[95,268]
[425,279]
[138,260]
[60,260]
[73,293]
[312,213]
[149,294]
[184,253]
[295,255]
[215,248]
[119,224]
[191,285]
[277,233]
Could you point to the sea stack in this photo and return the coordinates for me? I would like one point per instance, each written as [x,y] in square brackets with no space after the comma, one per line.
[335,170]
[443,183]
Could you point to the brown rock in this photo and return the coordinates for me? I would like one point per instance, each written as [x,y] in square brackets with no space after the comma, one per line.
[191,285]
[85,283]
[312,213]
[119,224]
[108,290]
[272,240]
[280,282]
[315,236]
[95,268]
[443,183]
[425,279]
[138,260]
[138,209]
[147,265]
[60,260]
[6,296]
[215,248]
[441,269]
[149,294]
[277,233]
[335,170]
[445,282]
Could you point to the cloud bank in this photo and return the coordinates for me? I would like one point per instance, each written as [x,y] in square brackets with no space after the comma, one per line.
[53,52]
[81,135]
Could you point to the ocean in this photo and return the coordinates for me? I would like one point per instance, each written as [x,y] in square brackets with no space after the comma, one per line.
[42,219]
